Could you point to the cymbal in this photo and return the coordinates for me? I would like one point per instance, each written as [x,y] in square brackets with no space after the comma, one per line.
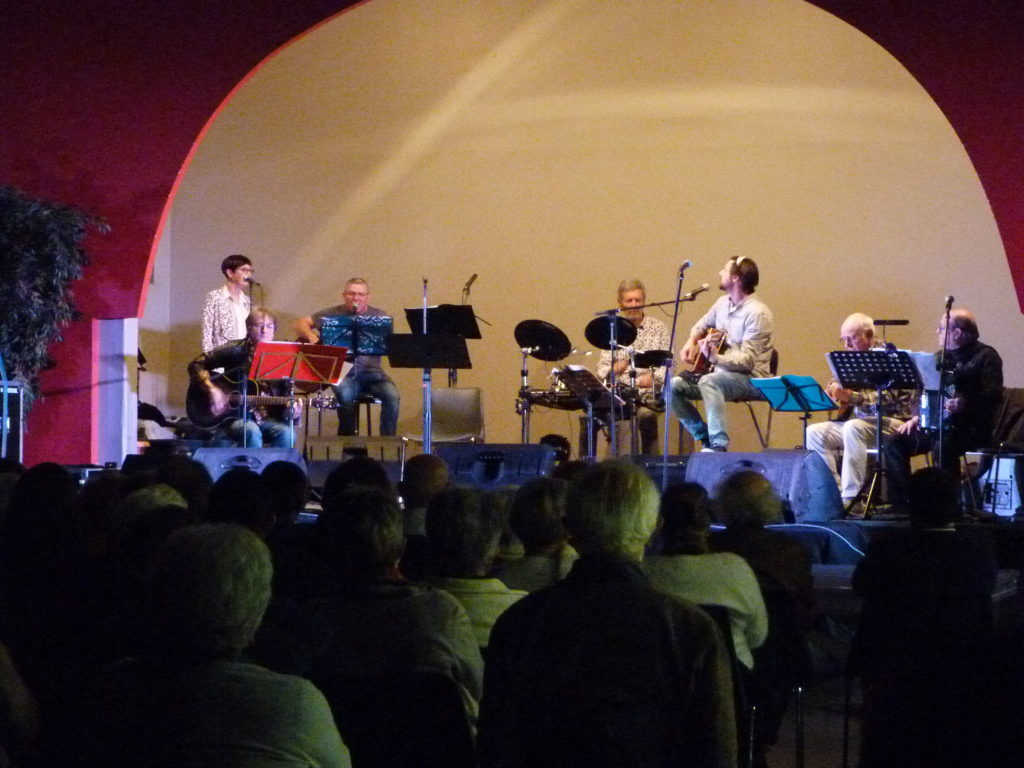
[598,332]
[652,358]
[548,341]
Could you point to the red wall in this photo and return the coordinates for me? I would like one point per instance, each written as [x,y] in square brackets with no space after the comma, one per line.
[103,102]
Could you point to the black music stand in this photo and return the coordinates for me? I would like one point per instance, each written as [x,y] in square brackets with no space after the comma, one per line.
[881,370]
[593,394]
[427,351]
[794,394]
[454,319]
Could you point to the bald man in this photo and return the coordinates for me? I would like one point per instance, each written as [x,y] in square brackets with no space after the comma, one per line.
[853,435]
[974,371]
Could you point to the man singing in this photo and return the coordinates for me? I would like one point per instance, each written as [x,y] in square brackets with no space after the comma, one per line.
[263,425]
[735,338]
[856,433]
[651,334]
[367,375]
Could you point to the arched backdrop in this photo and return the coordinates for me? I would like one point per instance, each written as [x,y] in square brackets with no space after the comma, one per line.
[102,110]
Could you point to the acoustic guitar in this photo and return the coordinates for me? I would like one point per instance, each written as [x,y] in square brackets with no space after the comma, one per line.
[202,411]
[715,340]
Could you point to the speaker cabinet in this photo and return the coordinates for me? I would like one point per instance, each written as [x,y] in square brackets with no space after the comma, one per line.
[497,464]
[800,478]
[219,460]
[15,448]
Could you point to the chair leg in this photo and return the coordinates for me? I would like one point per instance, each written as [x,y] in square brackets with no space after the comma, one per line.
[763,436]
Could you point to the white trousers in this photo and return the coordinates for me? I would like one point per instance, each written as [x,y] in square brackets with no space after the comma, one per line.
[853,437]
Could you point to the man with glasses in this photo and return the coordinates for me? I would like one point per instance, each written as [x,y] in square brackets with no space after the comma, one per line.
[215,399]
[226,308]
[367,376]
[853,432]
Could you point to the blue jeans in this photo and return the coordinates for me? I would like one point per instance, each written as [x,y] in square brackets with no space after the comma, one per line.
[715,389]
[377,384]
[267,434]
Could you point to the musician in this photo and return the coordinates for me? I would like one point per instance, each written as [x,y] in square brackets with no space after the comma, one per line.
[266,426]
[651,335]
[747,324]
[367,375]
[973,379]
[227,307]
[853,435]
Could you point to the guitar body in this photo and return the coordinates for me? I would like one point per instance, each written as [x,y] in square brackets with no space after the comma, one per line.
[206,412]
[702,365]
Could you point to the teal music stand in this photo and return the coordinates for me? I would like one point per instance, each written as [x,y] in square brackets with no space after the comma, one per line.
[796,394]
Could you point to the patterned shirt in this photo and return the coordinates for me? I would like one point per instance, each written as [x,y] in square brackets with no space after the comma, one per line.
[223,318]
[651,335]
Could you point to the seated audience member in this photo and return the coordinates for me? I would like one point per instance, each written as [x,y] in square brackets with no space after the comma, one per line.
[191,700]
[601,669]
[288,489]
[536,519]
[746,502]
[925,634]
[241,496]
[463,530]
[359,470]
[379,623]
[191,479]
[423,477]
[688,569]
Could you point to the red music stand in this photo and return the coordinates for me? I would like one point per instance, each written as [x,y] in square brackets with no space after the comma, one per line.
[309,363]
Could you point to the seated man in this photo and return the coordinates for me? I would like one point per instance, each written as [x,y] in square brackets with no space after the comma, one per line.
[216,400]
[735,339]
[857,432]
[601,668]
[689,569]
[651,335]
[463,530]
[367,377]
[973,381]
[924,638]
[191,700]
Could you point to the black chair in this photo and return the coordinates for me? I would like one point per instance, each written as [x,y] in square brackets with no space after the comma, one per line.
[742,689]
[414,719]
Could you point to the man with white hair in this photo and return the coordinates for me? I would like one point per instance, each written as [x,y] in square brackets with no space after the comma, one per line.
[853,435]
[601,668]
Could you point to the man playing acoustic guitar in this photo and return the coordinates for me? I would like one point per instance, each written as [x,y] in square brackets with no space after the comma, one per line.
[215,401]
[727,347]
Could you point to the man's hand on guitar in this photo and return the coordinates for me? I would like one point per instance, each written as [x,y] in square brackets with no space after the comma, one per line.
[688,354]
[839,395]
[910,426]
[219,399]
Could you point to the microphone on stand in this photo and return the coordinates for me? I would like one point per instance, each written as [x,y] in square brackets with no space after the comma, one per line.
[949,303]
[685,266]
[250,281]
[892,322]
[695,293]
[470,282]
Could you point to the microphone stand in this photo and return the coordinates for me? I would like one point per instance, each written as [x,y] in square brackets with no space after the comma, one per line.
[666,389]
[942,382]
[427,391]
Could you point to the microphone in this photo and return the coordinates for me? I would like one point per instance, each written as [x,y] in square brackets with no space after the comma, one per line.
[250,281]
[685,266]
[949,303]
[470,281]
[694,294]
[892,322]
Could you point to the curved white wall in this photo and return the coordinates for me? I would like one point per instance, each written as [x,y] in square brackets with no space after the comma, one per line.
[555,147]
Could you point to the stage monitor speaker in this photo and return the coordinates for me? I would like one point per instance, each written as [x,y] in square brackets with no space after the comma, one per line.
[493,465]
[800,478]
[999,481]
[654,466]
[219,460]
[339,448]
[319,469]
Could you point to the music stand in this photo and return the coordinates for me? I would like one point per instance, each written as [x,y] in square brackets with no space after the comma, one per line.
[878,369]
[794,394]
[428,351]
[456,319]
[292,361]
[593,394]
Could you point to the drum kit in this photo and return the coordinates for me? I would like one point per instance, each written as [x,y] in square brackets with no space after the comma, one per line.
[573,388]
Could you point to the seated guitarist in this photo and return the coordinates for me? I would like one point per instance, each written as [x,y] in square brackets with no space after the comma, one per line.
[735,340]
[213,400]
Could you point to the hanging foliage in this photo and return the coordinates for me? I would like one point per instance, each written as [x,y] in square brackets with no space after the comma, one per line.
[40,256]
